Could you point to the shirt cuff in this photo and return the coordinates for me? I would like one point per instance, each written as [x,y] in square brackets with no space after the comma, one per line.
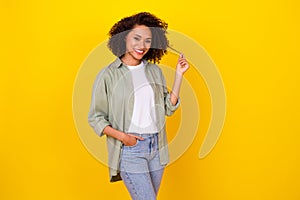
[100,127]
[170,105]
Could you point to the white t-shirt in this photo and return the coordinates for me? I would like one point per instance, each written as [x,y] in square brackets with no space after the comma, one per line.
[144,116]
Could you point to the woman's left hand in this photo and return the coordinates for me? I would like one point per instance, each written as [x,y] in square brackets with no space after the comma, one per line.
[182,65]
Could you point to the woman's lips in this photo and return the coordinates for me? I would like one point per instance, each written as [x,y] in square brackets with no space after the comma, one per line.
[139,52]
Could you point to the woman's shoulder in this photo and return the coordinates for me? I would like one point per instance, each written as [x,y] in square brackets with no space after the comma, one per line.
[105,73]
[108,70]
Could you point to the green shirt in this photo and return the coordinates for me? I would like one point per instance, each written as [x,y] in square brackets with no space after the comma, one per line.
[112,105]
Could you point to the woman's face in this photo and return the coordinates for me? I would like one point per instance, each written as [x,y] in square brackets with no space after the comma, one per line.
[138,43]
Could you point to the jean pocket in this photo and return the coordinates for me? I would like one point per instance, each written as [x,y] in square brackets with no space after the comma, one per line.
[137,142]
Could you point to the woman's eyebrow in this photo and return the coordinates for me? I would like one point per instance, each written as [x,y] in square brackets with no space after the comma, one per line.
[136,34]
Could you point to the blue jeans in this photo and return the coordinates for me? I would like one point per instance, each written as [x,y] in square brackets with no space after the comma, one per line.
[140,167]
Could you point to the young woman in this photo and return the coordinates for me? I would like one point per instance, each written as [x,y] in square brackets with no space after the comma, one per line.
[130,101]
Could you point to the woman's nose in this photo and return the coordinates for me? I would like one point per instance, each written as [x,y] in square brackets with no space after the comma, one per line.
[142,44]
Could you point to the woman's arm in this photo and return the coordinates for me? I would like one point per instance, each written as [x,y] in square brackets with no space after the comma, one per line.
[181,68]
[126,139]
[98,114]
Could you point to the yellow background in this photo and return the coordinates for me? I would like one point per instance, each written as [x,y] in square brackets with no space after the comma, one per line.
[255,45]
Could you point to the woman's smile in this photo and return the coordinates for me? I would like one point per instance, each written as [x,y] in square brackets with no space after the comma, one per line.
[140,52]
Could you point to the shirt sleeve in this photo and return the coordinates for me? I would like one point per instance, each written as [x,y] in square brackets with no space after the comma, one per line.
[98,114]
[170,108]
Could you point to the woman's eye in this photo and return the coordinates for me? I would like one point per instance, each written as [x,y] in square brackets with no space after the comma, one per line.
[148,41]
[136,38]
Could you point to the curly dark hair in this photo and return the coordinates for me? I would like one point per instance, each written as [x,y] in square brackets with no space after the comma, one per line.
[158,29]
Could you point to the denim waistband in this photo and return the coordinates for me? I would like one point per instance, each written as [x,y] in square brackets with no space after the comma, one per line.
[144,134]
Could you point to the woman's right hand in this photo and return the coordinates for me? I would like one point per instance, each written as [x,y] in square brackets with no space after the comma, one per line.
[131,140]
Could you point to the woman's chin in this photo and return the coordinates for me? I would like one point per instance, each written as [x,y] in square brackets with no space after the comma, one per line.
[139,57]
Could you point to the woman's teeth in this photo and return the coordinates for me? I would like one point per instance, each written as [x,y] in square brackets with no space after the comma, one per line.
[139,51]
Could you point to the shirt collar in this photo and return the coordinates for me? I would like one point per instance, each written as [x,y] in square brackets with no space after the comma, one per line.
[118,63]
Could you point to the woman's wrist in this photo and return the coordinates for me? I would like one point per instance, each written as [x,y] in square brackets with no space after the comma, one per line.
[178,74]
[119,135]
[123,137]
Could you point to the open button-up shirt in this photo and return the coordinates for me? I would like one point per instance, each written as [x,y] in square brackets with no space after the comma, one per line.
[112,105]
